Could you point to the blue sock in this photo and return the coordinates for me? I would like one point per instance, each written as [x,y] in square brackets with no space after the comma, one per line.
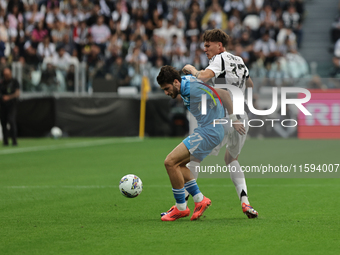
[192,187]
[179,195]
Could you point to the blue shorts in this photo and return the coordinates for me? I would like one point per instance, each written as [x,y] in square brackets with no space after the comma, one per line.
[204,140]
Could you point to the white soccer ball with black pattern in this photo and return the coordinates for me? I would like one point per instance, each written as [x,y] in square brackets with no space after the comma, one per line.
[130,186]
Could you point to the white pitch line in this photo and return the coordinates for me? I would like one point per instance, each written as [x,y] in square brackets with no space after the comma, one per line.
[69,145]
[155,186]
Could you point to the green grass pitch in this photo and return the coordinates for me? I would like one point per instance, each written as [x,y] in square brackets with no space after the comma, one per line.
[62,197]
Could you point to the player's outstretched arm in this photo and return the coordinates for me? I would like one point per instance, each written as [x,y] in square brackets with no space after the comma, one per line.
[204,75]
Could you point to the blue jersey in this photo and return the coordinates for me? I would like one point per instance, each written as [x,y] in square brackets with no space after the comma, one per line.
[192,90]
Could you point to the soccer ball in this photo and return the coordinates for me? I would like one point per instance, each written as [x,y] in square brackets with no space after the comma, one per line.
[130,186]
[56,132]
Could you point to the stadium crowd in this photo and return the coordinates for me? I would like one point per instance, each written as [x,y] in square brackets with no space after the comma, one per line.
[123,40]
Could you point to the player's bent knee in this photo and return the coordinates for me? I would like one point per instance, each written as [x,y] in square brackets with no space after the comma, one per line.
[168,163]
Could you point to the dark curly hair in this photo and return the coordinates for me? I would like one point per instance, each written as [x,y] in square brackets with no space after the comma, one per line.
[167,75]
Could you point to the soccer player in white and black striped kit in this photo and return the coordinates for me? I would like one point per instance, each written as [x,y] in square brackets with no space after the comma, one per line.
[232,70]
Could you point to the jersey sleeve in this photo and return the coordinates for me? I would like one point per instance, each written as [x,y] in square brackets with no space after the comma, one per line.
[185,90]
[216,65]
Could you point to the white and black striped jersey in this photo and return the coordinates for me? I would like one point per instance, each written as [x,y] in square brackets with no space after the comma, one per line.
[230,68]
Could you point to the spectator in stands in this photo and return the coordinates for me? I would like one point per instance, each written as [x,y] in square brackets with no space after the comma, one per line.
[235,24]
[215,15]
[158,53]
[120,73]
[34,15]
[239,51]
[61,59]
[20,39]
[177,17]
[268,17]
[136,61]
[46,49]
[31,57]
[292,19]
[265,48]
[121,15]
[286,33]
[114,48]
[161,6]
[86,7]
[16,56]
[277,77]
[9,5]
[118,27]
[80,35]
[297,66]
[48,81]
[253,6]
[174,46]
[12,32]
[15,17]
[231,5]
[138,29]
[59,33]
[193,29]
[100,33]
[197,62]
[139,5]
[298,4]
[74,17]
[95,62]
[247,43]
[39,33]
[193,47]
[53,15]
[194,12]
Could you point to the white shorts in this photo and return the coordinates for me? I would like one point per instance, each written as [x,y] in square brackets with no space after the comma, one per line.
[235,141]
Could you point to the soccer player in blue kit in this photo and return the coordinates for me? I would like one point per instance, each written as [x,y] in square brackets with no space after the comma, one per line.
[198,145]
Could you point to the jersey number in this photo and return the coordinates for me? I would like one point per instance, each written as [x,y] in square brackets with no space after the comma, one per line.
[234,71]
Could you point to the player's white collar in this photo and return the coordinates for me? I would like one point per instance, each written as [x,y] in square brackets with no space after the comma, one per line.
[212,59]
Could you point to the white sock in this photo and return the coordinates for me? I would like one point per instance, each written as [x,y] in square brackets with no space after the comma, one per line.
[194,170]
[181,206]
[244,199]
[237,176]
[198,197]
